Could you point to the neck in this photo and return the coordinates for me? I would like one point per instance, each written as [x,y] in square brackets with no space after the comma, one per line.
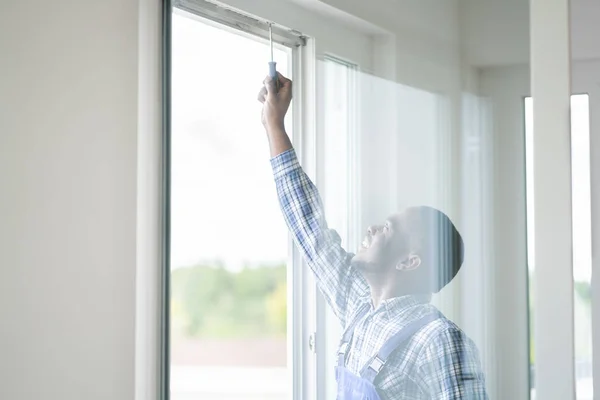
[379,295]
[385,286]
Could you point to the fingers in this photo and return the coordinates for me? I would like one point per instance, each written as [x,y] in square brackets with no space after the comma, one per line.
[270,85]
[262,95]
[283,80]
[285,87]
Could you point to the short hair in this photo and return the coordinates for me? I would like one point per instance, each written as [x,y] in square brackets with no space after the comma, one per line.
[434,237]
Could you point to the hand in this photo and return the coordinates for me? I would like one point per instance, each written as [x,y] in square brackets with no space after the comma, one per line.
[276,96]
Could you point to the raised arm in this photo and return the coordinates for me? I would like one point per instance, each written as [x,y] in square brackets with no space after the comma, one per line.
[303,210]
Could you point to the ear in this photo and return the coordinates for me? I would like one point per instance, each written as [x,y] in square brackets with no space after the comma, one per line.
[410,264]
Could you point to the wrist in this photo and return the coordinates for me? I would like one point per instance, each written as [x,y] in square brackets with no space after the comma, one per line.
[279,141]
[277,129]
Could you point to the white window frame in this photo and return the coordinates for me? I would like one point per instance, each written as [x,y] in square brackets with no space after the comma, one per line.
[527,103]
[325,39]
[298,321]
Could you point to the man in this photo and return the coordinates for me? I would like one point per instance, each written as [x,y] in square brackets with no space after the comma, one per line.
[396,345]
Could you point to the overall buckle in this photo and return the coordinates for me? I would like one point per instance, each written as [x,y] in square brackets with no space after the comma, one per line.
[377,364]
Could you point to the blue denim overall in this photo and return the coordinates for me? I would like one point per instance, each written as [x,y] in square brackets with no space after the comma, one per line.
[361,387]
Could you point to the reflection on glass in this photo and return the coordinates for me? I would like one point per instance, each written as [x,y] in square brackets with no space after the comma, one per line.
[403,161]
[229,242]
[582,250]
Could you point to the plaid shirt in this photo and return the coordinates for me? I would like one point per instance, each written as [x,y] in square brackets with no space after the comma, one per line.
[439,362]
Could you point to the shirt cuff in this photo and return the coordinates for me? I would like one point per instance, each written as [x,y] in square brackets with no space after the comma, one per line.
[284,163]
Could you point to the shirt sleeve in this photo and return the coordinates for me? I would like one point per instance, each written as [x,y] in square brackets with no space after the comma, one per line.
[320,246]
[449,368]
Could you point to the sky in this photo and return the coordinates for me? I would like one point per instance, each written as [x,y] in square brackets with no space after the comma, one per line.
[224,204]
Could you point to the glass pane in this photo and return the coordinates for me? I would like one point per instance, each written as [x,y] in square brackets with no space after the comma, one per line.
[582,238]
[442,130]
[229,242]
[530,194]
[582,244]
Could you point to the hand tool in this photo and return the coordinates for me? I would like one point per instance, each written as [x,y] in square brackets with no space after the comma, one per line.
[272,63]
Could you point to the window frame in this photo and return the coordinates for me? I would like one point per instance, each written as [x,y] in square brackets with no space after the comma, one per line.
[528,133]
[165,172]
[222,16]
[306,306]
[238,23]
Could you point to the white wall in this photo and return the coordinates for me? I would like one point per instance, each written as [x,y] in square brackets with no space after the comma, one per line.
[68,127]
[506,87]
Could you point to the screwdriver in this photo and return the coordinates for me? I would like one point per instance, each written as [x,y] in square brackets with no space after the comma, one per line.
[272,63]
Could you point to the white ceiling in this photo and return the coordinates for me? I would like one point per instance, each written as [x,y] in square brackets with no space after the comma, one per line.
[487,32]
[496,32]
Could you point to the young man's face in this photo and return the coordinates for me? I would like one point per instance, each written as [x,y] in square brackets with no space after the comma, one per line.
[386,245]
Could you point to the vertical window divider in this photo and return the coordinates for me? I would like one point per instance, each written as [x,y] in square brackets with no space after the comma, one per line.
[303,299]
[164,358]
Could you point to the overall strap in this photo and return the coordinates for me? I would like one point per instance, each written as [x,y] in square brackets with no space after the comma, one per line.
[372,368]
[348,333]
